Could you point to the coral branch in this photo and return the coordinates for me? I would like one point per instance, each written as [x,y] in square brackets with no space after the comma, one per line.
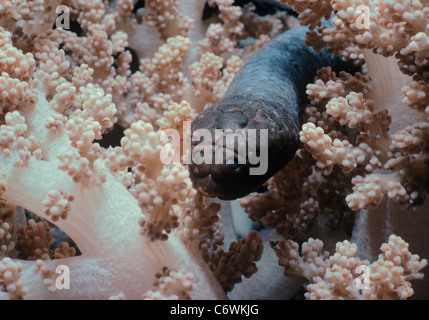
[336,276]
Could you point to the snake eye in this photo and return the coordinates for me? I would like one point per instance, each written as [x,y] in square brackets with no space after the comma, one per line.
[202,153]
[230,161]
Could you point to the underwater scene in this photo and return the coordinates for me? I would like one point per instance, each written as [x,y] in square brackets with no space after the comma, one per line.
[214,150]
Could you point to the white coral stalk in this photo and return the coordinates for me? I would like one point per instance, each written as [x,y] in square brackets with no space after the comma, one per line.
[103,221]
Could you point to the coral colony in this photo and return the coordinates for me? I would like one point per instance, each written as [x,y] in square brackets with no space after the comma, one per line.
[83,218]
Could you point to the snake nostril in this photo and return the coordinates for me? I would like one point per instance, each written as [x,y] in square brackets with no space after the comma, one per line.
[233,164]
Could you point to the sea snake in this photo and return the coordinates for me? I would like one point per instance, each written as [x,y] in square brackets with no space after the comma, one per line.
[266,93]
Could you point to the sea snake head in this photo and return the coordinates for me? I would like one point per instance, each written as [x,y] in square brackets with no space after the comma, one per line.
[268,137]
[266,94]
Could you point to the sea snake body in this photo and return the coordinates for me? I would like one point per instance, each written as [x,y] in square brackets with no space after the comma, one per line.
[266,93]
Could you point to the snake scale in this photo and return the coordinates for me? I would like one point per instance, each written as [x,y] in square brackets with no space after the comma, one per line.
[266,93]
